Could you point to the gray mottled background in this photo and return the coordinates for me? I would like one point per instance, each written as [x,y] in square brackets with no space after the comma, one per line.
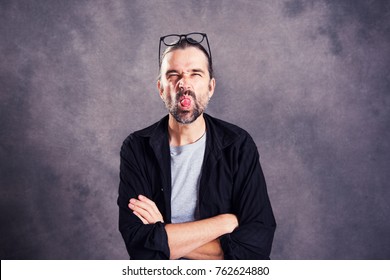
[309,79]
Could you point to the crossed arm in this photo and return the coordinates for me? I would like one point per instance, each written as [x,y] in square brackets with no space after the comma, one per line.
[192,240]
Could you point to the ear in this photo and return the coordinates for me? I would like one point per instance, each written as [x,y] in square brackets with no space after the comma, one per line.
[160,88]
[211,87]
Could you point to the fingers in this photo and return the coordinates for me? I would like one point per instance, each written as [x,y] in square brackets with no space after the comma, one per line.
[145,209]
[149,202]
[140,211]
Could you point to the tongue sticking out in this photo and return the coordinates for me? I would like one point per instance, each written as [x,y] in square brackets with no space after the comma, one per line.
[185,102]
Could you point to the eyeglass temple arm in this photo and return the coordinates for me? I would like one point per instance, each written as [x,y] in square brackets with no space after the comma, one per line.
[208,45]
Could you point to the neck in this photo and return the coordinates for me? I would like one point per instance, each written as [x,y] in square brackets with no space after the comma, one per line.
[183,134]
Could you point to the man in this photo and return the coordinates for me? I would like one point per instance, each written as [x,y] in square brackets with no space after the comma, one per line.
[191,186]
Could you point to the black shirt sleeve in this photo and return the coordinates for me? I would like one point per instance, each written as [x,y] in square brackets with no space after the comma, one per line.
[142,241]
[253,238]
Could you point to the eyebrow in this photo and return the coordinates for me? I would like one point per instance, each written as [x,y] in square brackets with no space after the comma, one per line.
[195,70]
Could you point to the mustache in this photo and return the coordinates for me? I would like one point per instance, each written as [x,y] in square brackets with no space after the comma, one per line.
[181,93]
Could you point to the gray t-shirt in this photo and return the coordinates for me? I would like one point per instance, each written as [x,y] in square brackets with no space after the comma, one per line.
[186,165]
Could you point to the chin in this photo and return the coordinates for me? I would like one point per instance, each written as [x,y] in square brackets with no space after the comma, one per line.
[186,117]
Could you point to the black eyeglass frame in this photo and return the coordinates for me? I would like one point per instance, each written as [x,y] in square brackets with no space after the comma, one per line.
[180,38]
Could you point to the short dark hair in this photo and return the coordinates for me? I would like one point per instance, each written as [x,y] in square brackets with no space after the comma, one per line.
[183,44]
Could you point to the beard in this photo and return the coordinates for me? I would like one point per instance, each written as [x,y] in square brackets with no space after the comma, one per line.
[185,116]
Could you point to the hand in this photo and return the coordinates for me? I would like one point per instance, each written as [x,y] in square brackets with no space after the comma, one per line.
[146,210]
[229,221]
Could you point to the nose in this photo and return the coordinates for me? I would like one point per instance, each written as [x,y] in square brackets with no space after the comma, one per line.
[184,83]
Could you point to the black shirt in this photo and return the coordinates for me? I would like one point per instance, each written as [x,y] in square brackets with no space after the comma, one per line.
[232,181]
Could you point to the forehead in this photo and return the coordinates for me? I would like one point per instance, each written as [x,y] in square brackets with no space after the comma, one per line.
[188,57]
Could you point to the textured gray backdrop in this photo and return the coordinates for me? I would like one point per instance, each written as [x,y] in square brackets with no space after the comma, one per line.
[309,79]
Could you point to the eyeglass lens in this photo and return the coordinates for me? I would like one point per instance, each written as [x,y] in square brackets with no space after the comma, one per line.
[191,38]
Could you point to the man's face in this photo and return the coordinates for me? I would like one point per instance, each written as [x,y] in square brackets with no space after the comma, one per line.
[185,85]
